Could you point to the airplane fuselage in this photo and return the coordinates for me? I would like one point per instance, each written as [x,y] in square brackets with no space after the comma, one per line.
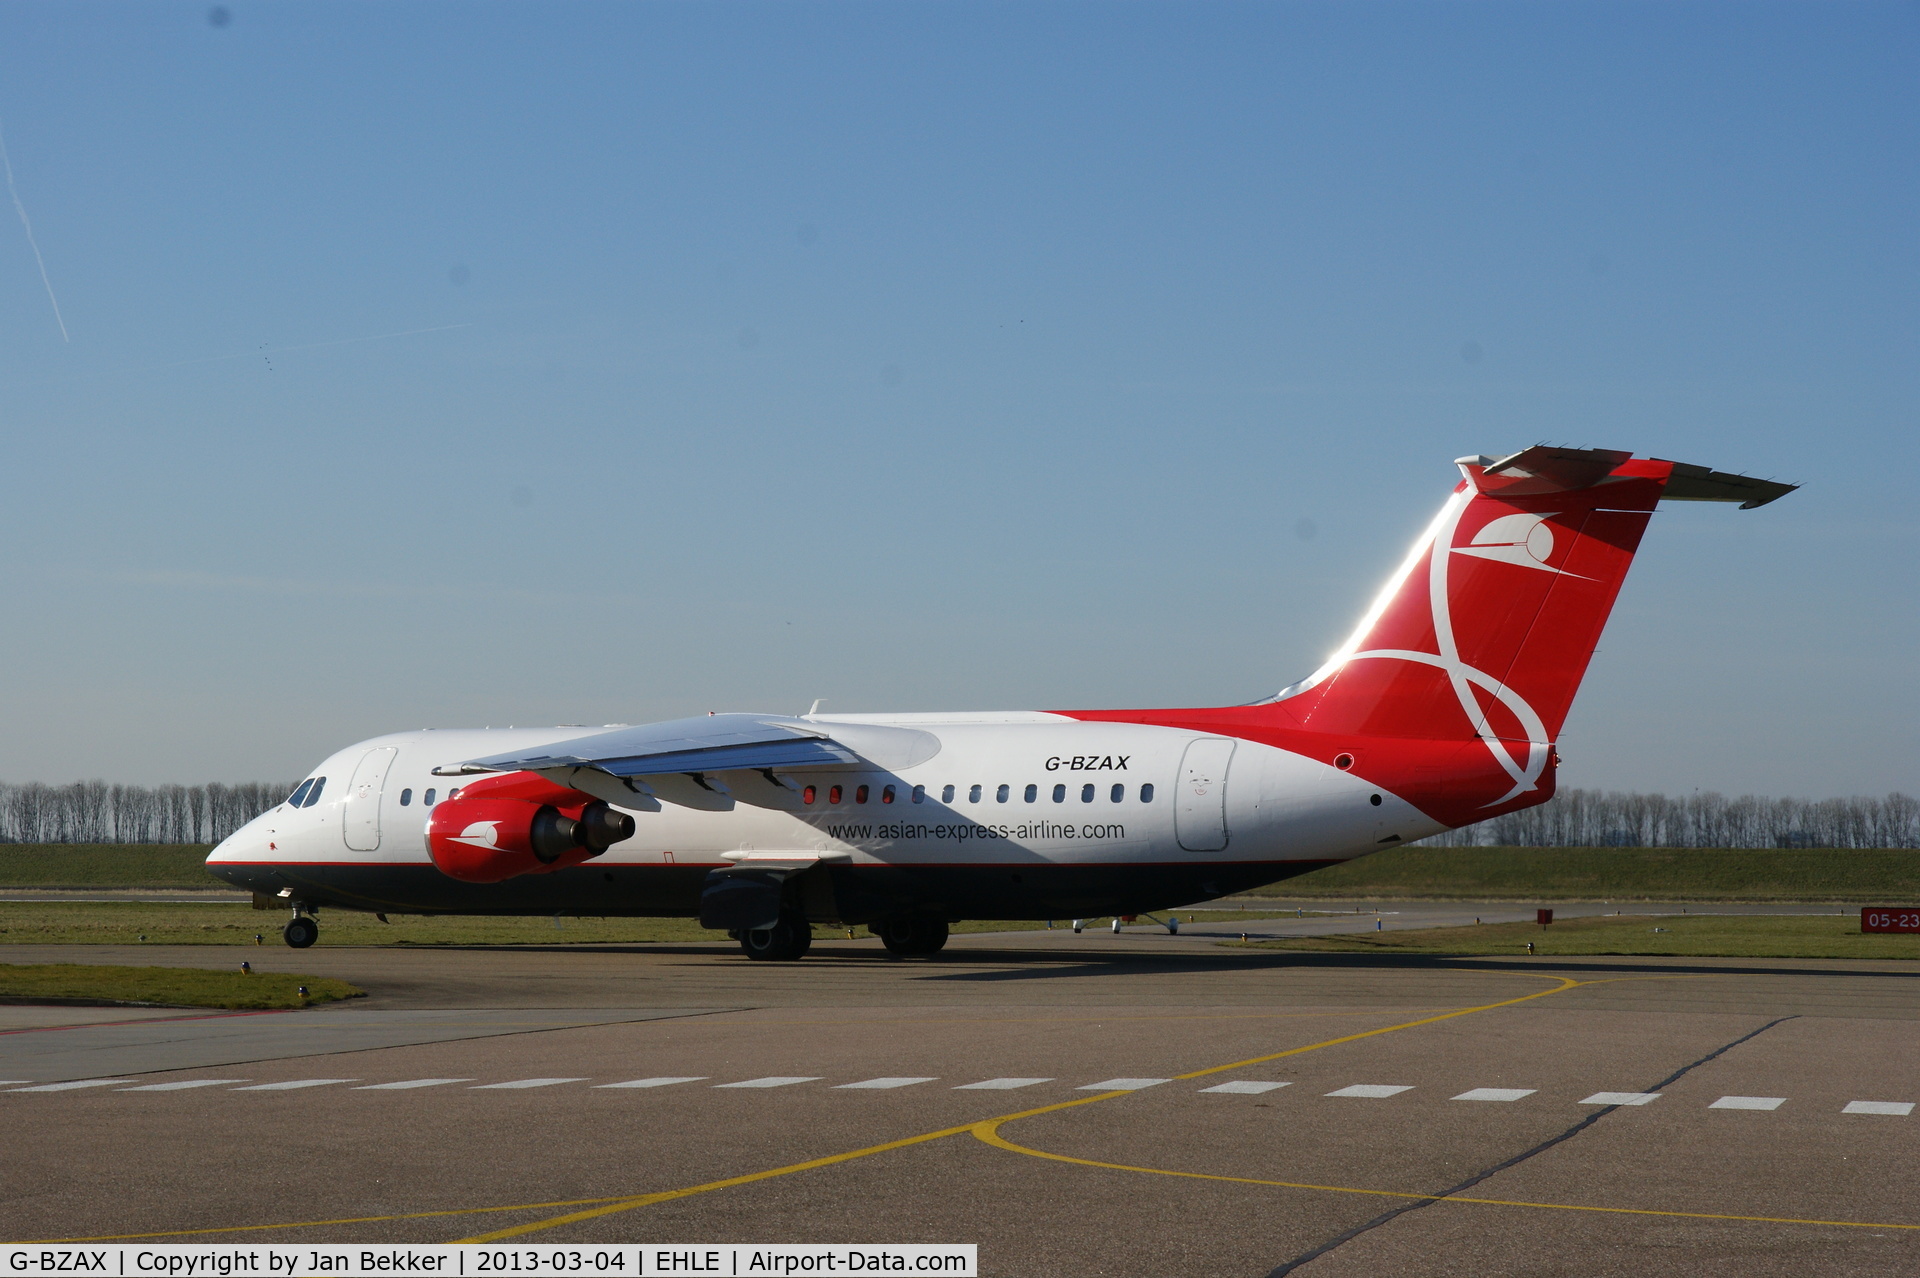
[1007,816]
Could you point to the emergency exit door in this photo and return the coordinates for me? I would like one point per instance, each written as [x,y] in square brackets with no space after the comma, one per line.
[1200,808]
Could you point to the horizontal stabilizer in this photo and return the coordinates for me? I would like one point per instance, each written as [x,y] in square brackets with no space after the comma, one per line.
[1697,483]
[1543,470]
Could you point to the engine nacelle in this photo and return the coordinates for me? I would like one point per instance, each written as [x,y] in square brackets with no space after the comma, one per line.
[520,823]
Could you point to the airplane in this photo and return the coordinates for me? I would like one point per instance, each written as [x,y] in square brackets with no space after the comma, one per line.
[1440,710]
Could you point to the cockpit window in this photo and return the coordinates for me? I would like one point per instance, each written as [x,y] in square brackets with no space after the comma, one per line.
[293,800]
[313,795]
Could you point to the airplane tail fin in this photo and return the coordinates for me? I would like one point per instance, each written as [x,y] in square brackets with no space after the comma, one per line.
[1487,627]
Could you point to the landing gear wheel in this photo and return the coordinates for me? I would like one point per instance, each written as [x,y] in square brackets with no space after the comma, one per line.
[916,937]
[785,941]
[301,932]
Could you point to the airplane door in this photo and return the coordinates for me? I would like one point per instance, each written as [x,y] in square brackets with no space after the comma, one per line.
[360,815]
[1200,810]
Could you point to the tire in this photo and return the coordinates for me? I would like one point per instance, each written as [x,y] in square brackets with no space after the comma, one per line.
[916,936]
[301,932]
[785,941]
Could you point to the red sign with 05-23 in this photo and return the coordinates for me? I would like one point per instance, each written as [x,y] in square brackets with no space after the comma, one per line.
[1880,918]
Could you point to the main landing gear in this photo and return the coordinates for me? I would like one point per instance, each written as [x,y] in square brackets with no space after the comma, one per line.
[786,940]
[916,936]
[301,931]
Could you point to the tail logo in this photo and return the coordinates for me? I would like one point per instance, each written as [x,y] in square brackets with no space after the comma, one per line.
[1522,539]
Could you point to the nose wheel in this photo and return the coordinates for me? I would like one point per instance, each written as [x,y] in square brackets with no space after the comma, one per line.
[301,931]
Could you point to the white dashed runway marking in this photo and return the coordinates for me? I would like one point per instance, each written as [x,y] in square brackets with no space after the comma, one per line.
[893,1082]
[1497,1093]
[1370,1091]
[1899,1109]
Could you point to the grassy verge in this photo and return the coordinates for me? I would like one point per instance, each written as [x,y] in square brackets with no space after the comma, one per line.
[1699,935]
[106,865]
[168,986]
[133,923]
[1871,876]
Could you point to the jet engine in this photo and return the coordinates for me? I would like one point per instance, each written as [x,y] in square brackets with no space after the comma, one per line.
[520,823]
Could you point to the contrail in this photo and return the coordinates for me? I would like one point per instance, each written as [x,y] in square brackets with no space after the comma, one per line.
[21,209]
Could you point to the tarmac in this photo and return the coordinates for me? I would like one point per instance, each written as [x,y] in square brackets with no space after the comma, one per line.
[1132,1104]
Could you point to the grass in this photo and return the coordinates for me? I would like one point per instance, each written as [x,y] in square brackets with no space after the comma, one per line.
[131,923]
[1871,876]
[107,865]
[168,986]
[1695,935]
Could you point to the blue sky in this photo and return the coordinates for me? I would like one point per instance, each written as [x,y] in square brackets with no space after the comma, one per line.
[930,356]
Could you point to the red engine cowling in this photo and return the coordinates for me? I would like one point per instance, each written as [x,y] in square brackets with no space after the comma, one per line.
[520,823]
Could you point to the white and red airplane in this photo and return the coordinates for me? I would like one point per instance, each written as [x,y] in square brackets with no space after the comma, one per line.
[1441,710]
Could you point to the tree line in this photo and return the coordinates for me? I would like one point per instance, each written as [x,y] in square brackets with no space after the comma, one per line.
[1627,819]
[95,812]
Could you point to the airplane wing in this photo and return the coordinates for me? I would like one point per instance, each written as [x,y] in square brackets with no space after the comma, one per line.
[711,743]
[711,761]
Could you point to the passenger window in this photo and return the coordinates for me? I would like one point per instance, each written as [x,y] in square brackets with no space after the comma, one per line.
[860,794]
[1119,793]
[1146,793]
[1059,794]
[406,797]
[886,795]
[1000,795]
[293,800]
[427,799]
[451,794]
[807,795]
[973,794]
[1033,792]
[1086,793]
[833,794]
[946,794]
[919,794]
[313,795]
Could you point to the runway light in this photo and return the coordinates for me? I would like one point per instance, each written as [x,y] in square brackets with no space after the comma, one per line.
[1243,936]
[256,938]
[246,967]
[303,991]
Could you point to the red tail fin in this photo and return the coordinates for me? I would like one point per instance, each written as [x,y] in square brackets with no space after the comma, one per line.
[1487,628]
[1456,683]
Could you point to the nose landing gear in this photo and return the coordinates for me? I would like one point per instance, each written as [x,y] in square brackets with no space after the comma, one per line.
[301,931]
